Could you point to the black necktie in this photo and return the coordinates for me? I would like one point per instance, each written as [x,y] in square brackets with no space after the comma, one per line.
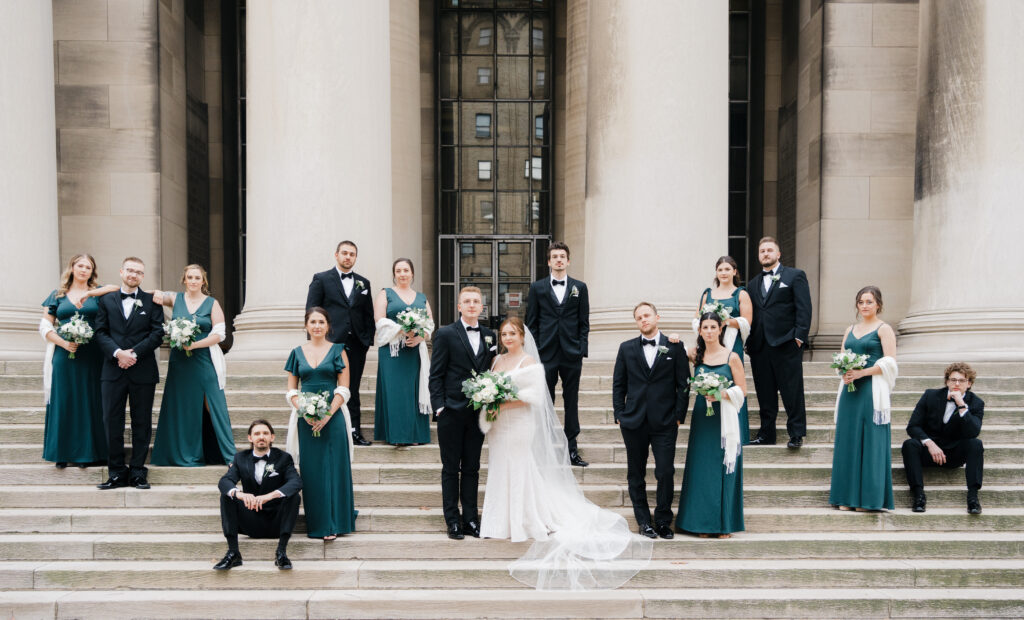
[650,343]
[558,283]
[127,295]
[472,329]
[345,276]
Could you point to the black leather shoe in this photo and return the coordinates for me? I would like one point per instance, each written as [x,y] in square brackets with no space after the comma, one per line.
[359,440]
[60,464]
[973,506]
[760,441]
[574,458]
[471,528]
[230,560]
[919,502]
[455,532]
[281,561]
[113,483]
[664,531]
[648,531]
[795,442]
[139,483]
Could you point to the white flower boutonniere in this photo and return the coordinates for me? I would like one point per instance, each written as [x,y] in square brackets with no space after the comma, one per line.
[662,350]
[776,278]
[360,284]
[269,469]
[488,340]
[575,292]
[138,303]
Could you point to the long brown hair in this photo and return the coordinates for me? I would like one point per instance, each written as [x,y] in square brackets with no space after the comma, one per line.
[67,278]
[702,346]
[516,323]
[206,282]
[735,271]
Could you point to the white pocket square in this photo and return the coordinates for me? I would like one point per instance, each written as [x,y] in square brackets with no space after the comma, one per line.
[494,348]
[271,474]
[365,292]
[142,312]
[783,285]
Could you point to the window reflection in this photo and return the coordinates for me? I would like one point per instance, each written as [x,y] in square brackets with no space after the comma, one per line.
[483,125]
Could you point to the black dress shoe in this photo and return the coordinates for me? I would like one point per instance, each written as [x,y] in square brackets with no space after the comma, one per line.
[973,506]
[574,458]
[139,483]
[113,483]
[60,464]
[760,441]
[919,502]
[795,442]
[82,465]
[455,532]
[359,440]
[472,528]
[648,531]
[230,560]
[664,531]
[281,561]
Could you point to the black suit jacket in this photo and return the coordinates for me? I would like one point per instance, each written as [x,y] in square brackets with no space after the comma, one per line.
[284,478]
[349,315]
[783,313]
[926,421]
[658,394]
[560,329]
[453,361]
[142,331]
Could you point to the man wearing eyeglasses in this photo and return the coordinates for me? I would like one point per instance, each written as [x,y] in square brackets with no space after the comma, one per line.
[944,431]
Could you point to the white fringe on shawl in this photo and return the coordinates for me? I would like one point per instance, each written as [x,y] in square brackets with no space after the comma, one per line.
[881,389]
[291,445]
[46,327]
[390,334]
[730,411]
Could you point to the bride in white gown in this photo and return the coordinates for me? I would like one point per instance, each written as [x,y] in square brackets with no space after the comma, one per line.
[532,492]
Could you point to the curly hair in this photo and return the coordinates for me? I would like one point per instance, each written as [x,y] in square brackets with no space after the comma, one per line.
[67,278]
[963,368]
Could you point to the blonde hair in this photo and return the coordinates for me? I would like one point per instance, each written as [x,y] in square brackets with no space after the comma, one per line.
[67,277]
[471,289]
[206,283]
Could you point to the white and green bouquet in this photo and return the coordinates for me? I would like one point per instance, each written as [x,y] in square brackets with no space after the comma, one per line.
[314,406]
[179,333]
[710,384]
[488,390]
[76,330]
[845,361]
[718,308]
[415,321]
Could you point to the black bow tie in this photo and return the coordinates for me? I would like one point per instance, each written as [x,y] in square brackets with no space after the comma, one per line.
[767,274]
[650,343]
[558,283]
[127,295]
[472,329]
[260,458]
[346,276]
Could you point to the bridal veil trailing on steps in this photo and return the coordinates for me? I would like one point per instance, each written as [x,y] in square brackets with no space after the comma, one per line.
[532,493]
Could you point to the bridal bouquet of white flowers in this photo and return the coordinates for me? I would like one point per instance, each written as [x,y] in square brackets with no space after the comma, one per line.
[314,406]
[845,361]
[710,384]
[76,330]
[488,390]
[179,333]
[718,308]
[416,321]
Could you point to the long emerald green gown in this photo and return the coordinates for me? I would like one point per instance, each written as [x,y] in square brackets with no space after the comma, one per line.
[862,457]
[397,418]
[733,304]
[74,416]
[323,461]
[711,501]
[186,435]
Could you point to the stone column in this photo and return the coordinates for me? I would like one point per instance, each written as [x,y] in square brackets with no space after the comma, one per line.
[406,146]
[319,157]
[28,175]
[966,301]
[657,167]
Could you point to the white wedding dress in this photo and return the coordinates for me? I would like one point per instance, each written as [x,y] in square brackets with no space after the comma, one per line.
[532,493]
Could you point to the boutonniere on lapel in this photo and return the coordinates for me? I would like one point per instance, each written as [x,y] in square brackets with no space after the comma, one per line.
[575,291]
[776,277]
[138,303]
[360,284]
[488,340]
[269,470]
[662,350]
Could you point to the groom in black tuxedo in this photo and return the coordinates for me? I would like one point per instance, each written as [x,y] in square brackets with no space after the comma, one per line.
[460,349]
[650,392]
[345,295]
[781,301]
[558,316]
[129,329]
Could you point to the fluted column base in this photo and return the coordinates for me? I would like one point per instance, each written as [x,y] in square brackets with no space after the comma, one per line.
[19,333]
[966,334]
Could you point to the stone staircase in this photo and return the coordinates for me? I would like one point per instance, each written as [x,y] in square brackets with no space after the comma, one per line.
[68,550]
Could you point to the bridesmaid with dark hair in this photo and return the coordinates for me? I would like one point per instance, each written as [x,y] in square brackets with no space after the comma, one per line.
[194,428]
[73,431]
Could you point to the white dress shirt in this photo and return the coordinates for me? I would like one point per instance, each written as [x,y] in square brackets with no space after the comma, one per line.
[651,353]
[766,281]
[474,336]
[258,471]
[126,309]
[346,283]
[951,406]
[560,289]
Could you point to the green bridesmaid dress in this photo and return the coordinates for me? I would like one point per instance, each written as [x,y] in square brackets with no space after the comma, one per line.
[397,417]
[74,416]
[194,428]
[862,457]
[323,461]
[711,501]
[733,304]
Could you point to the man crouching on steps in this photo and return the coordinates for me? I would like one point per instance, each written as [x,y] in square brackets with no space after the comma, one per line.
[267,505]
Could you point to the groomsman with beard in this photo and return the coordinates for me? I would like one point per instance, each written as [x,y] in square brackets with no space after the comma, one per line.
[650,393]
[460,349]
[558,316]
[129,329]
[345,295]
[778,335]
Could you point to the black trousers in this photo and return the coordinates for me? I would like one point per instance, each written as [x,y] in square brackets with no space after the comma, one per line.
[460,441]
[662,442]
[570,372]
[356,352]
[958,452]
[115,394]
[779,371]
[276,518]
